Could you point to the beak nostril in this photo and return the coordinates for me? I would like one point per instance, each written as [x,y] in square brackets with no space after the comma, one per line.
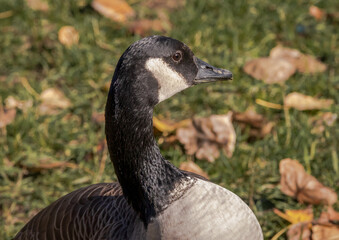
[208,73]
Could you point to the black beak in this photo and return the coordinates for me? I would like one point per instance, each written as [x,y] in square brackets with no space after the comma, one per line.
[207,73]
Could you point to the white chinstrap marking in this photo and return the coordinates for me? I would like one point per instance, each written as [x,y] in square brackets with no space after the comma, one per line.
[170,81]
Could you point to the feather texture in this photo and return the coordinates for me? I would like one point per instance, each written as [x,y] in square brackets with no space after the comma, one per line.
[98,211]
[153,199]
[207,211]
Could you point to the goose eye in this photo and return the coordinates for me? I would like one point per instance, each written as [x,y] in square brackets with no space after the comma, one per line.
[177,56]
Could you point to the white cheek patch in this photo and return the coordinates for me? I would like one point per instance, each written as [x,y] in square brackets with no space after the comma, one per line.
[170,82]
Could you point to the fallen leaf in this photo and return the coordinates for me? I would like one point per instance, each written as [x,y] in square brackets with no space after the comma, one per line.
[168,126]
[11,102]
[38,5]
[163,4]
[325,232]
[259,125]
[308,64]
[300,215]
[6,116]
[302,102]
[204,136]
[188,137]
[303,63]
[68,36]
[299,231]
[301,222]
[270,70]
[190,166]
[332,214]
[322,120]
[98,118]
[117,10]
[328,216]
[295,182]
[143,27]
[47,163]
[284,52]
[208,151]
[296,215]
[53,100]
[316,12]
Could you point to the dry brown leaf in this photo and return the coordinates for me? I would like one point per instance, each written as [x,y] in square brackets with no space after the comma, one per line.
[6,116]
[328,216]
[325,232]
[316,12]
[206,135]
[52,101]
[320,121]
[46,163]
[260,126]
[303,63]
[332,214]
[295,182]
[299,231]
[208,151]
[188,137]
[117,10]
[284,52]
[98,118]
[302,102]
[143,27]
[190,166]
[39,5]
[270,70]
[163,4]
[308,64]
[68,36]
[11,102]
[225,134]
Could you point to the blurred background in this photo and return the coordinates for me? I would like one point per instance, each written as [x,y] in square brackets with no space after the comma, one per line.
[57,60]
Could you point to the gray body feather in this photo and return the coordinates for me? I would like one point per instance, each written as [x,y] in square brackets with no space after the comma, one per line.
[100,211]
[208,211]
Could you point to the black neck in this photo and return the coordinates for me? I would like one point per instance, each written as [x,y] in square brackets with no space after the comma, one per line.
[144,175]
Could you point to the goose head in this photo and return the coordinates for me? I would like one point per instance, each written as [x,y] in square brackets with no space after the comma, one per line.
[149,71]
[161,67]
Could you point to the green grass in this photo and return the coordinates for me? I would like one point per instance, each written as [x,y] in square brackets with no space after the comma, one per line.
[224,33]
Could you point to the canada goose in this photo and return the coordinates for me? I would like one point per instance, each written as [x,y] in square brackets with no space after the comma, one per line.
[153,199]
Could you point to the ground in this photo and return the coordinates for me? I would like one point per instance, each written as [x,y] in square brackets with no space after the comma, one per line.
[225,34]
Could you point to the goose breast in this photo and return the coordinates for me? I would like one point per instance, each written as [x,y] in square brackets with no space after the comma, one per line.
[206,211]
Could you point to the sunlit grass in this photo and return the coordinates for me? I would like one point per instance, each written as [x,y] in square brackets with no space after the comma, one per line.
[224,33]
